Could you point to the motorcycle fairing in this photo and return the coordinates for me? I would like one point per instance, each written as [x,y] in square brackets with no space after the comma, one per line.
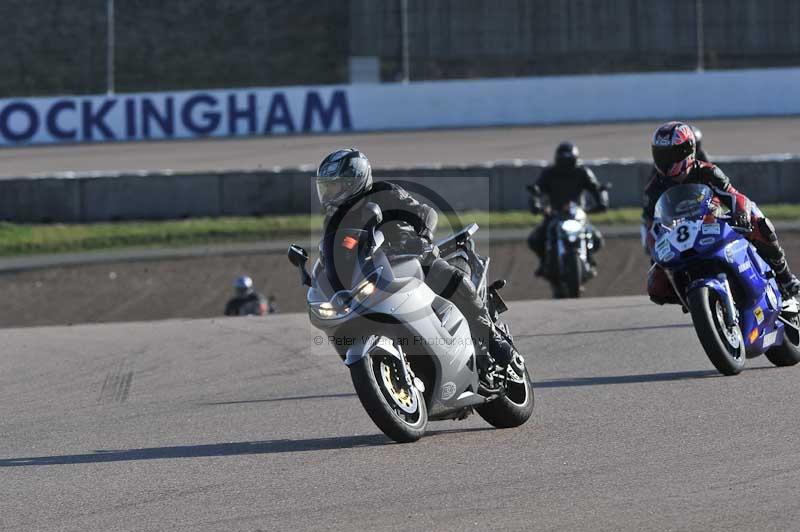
[445,339]
[758,297]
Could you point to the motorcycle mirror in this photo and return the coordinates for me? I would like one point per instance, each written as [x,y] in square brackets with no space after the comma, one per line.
[299,257]
[372,215]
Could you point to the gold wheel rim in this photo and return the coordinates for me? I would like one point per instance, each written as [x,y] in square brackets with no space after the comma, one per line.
[398,393]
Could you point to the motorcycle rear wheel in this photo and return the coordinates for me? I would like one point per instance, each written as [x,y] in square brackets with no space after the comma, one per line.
[788,353]
[513,408]
[723,346]
[397,409]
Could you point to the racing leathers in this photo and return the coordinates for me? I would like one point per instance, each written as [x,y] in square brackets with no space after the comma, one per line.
[562,185]
[250,304]
[408,226]
[744,213]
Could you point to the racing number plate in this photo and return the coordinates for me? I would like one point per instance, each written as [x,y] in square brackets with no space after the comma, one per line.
[684,235]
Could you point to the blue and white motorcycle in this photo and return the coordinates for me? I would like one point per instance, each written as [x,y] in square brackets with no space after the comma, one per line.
[736,307]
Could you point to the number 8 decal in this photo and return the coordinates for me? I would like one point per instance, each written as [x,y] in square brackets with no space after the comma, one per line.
[683,234]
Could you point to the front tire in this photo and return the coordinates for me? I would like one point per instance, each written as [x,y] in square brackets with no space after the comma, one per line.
[724,346]
[788,353]
[511,409]
[397,409]
[572,274]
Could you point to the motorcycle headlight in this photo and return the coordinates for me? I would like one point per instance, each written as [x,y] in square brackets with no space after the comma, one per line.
[571,226]
[342,303]
[364,289]
[327,311]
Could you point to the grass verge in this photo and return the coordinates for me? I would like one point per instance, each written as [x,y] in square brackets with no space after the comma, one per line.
[26,239]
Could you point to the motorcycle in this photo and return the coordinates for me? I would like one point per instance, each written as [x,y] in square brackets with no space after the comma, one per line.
[569,245]
[735,303]
[410,352]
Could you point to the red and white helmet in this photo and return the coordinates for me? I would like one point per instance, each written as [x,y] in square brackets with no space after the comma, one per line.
[673,148]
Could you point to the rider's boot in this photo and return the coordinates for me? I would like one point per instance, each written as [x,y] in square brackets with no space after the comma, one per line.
[788,283]
[766,243]
[504,358]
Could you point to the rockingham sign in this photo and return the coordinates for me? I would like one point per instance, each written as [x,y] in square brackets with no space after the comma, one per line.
[396,106]
[173,115]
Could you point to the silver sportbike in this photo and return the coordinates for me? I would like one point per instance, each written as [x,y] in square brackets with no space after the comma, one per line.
[411,354]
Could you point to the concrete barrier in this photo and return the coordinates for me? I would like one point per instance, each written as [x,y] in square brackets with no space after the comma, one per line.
[41,200]
[149,197]
[492,186]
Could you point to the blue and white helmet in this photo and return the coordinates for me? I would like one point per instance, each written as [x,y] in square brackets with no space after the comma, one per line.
[243,285]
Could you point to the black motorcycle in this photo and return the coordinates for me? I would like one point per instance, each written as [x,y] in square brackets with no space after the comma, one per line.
[570,245]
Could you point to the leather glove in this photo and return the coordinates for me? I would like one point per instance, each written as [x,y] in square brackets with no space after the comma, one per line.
[741,220]
[429,254]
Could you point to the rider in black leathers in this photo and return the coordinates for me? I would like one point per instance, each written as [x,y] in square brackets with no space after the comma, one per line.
[344,186]
[563,182]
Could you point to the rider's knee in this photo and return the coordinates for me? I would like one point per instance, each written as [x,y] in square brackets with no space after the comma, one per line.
[536,241]
[452,283]
[659,288]
[442,278]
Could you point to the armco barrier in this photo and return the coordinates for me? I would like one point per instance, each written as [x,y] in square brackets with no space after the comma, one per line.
[492,186]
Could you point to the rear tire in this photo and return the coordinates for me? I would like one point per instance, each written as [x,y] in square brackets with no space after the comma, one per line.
[511,409]
[719,342]
[381,394]
[788,353]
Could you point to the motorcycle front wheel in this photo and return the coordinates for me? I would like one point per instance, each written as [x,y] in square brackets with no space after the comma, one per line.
[511,409]
[723,345]
[397,409]
[572,274]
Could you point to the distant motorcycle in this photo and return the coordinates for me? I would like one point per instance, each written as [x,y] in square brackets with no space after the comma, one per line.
[737,309]
[569,249]
[410,352]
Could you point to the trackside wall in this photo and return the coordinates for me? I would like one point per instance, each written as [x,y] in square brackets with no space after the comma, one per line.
[158,196]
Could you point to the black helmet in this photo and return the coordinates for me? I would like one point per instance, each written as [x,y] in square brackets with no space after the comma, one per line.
[567,154]
[341,175]
[673,147]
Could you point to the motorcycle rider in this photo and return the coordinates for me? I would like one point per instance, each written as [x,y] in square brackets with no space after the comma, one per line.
[246,302]
[345,186]
[563,182]
[674,154]
[701,156]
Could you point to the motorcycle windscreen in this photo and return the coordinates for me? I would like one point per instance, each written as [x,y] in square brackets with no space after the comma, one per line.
[683,202]
[343,251]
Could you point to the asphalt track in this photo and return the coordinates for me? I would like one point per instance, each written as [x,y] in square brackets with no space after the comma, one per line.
[732,137]
[247,425]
